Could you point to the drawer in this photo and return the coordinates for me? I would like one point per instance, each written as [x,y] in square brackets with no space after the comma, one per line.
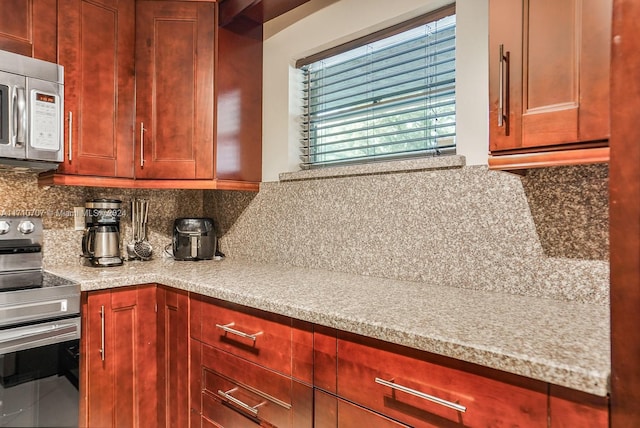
[424,390]
[238,393]
[257,336]
[333,412]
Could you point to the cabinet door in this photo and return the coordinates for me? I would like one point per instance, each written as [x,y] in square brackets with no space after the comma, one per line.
[174,89]
[173,357]
[120,373]
[553,76]
[96,46]
[28,27]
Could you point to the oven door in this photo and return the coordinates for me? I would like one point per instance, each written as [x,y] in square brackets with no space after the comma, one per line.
[39,374]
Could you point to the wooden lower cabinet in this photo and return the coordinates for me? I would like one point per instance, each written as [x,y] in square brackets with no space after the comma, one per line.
[236,393]
[118,373]
[173,357]
[569,409]
[134,360]
[155,356]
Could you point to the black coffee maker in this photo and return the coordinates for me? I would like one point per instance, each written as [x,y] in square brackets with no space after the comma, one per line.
[101,239]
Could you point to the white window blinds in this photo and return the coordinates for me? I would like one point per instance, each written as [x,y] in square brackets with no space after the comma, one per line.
[390,98]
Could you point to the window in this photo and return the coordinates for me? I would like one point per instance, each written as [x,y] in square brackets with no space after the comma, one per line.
[388,95]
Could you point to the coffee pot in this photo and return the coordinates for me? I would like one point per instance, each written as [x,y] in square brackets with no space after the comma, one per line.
[101,239]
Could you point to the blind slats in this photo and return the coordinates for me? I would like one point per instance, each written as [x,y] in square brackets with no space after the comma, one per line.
[391,98]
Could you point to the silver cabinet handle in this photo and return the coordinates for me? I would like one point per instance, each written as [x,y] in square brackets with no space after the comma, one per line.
[142,144]
[422,395]
[503,88]
[227,328]
[102,332]
[70,136]
[227,396]
[21,117]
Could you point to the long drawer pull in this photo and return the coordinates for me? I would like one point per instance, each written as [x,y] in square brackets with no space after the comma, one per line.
[227,396]
[422,395]
[227,328]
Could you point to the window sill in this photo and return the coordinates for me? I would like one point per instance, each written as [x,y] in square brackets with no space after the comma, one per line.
[389,167]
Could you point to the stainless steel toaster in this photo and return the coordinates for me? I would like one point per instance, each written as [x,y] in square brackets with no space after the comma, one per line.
[194,239]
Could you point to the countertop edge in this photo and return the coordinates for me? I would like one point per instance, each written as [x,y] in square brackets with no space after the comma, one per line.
[590,381]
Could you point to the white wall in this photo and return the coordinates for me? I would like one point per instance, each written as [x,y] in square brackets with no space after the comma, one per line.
[335,22]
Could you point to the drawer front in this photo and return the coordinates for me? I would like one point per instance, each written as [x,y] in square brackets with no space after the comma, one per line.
[257,336]
[333,412]
[400,383]
[352,416]
[230,405]
[238,393]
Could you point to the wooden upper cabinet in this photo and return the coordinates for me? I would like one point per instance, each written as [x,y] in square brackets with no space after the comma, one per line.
[549,77]
[28,27]
[96,40]
[175,51]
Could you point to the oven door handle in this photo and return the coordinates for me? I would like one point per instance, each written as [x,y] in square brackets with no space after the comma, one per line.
[34,336]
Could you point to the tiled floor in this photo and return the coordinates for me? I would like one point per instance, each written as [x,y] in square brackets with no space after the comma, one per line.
[47,402]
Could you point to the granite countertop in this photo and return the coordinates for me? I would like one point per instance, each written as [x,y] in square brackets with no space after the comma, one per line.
[564,343]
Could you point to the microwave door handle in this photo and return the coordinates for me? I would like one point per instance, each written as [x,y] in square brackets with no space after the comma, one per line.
[21,117]
[13,108]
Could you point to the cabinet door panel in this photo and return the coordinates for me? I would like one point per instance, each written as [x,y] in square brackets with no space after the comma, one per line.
[96,405]
[96,48]
[174,89]
[505,30]
[121,381]
[173,361]
[28,27]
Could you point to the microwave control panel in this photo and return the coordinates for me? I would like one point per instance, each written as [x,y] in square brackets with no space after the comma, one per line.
[45,121]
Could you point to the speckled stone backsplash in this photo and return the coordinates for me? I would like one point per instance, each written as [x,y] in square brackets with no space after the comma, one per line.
[62,244]
[570,208]
[465,227]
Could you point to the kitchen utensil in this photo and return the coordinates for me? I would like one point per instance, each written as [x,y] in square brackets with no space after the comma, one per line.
[130,246]
[141,246]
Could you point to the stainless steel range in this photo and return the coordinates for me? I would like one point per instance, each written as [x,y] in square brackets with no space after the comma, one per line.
[39,332]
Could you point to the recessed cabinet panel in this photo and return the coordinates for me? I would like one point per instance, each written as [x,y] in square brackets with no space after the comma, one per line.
[16,25]
[175,50]
[98,32]
[551,82]
[174,93]
[551,53]
[28,27]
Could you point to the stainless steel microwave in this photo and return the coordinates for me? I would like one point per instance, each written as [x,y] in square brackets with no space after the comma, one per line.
[31,112]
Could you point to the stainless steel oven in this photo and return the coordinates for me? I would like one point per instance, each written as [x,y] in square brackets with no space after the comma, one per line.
[39,333]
